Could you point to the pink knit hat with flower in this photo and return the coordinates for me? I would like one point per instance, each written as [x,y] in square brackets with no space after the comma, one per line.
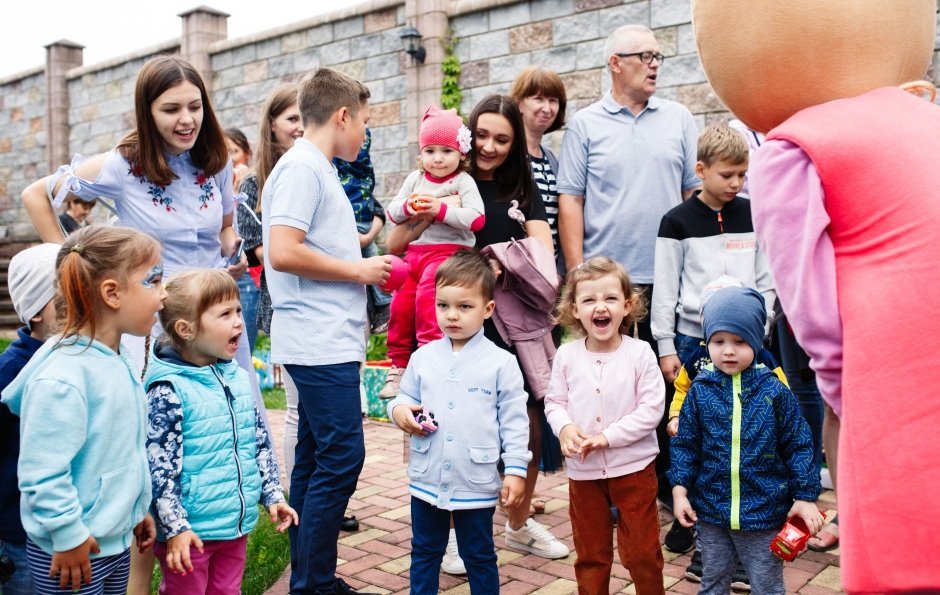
[445,128]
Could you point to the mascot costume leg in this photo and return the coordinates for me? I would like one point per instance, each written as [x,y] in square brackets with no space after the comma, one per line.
[845,202]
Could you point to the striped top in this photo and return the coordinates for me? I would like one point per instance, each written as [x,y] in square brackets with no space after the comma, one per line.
[543,174]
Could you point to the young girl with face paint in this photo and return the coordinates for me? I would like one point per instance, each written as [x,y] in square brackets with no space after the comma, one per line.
[83,468]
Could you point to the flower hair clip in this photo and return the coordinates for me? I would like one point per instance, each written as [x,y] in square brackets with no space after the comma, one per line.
[463,139]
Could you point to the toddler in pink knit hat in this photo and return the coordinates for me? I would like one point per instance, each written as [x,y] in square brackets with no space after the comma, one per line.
[441,192]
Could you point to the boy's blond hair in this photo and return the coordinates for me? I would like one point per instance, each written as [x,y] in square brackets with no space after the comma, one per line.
[720,141]
[326,91]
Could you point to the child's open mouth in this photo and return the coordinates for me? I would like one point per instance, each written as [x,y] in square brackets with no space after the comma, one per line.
[233,342]
[602,322]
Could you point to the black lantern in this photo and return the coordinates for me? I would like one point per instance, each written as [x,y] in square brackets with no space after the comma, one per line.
[411,43]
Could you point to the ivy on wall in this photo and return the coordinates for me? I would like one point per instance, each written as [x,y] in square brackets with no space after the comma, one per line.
[451,93]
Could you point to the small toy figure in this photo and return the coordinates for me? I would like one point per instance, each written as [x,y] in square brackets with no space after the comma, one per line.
[426,420]
[792,539]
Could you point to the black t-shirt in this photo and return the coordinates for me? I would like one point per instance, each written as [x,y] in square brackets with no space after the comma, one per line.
[499,227]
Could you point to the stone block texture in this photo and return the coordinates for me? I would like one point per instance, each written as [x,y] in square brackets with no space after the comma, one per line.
[494,41]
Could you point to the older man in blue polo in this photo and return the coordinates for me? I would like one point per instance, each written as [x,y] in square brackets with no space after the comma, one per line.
[625,161]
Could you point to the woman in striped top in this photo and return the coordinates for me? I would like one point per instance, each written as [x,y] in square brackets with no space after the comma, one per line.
[541,97]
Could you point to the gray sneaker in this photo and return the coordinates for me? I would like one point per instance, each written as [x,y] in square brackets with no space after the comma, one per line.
[534,538]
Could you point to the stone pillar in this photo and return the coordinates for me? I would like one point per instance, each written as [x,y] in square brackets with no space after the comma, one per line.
[202,26]
[424,80]
[61,56]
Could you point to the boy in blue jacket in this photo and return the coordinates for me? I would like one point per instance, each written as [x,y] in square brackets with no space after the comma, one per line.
[32,285]
[742,462]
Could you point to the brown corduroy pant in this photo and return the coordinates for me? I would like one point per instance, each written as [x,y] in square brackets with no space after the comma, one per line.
[634,496]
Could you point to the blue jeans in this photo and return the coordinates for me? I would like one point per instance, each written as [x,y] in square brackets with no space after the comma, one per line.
[20,583]
[249,298]
[430,527]
[685,345]
[327,460]
[721,549]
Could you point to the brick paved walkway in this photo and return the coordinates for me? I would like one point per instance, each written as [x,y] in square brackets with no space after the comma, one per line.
[376,558]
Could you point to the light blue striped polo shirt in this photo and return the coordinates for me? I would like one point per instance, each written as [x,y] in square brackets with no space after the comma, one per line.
[315,322]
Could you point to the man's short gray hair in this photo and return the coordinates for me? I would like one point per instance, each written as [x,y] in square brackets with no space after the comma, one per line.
[618,39]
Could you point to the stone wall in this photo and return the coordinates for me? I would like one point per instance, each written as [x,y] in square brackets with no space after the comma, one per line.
[364,46]
[22,145]
[495,40]
[101,100]
[568,36]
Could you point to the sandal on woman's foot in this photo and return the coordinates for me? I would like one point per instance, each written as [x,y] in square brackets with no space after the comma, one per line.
[537,506]
[827,539]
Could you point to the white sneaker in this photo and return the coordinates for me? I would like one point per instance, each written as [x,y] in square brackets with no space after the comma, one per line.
[392,383]
[452,564]
[535,539]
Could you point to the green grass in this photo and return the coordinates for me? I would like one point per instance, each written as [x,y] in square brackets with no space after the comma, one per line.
[4,343]
[274,398]
[268,556]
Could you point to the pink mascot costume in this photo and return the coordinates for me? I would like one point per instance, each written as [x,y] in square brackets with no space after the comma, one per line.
[845,202]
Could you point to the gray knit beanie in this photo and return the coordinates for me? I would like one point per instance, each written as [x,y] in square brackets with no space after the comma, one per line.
[738,310]
[31,279]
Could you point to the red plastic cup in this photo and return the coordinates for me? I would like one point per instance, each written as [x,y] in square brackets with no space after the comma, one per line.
[400,272]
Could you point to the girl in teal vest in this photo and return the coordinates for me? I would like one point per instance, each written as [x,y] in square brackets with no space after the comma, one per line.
[211,458]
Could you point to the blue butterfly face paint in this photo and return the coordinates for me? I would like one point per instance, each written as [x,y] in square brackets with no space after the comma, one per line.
[153,276]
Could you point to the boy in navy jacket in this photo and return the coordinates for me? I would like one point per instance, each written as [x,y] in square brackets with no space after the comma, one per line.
[742,462]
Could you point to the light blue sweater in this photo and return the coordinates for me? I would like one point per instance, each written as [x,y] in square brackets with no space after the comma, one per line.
[476,396]
[82,469]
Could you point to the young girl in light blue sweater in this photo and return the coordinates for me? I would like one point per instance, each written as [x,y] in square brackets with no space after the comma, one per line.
[82,470]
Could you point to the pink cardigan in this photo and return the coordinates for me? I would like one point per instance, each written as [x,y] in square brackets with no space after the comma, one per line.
[620,393]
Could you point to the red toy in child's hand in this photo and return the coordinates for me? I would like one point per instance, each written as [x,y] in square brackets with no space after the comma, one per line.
[792,538]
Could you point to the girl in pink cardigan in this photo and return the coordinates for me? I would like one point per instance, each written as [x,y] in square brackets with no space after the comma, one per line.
[604,400]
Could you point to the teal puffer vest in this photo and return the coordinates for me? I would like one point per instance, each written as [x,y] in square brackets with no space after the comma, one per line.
[220,480]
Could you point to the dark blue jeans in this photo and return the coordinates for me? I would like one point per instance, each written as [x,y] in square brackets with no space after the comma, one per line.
[802,382]
[250,296]
[327,461]
[430,527]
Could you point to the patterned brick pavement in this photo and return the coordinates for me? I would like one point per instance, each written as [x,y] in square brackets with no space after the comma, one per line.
[377,557]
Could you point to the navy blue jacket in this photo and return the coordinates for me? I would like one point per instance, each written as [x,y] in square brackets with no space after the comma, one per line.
[773,443]
[11,362]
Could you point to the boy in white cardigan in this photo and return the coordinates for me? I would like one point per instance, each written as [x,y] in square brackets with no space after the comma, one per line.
[470,395]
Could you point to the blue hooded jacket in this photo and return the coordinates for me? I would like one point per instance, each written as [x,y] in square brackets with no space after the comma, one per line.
[744,451]
[11,362]
[83,469]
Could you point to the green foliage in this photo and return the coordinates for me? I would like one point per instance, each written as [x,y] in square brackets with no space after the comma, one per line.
[4,343]
[377,349]
[268,556]
[451,93]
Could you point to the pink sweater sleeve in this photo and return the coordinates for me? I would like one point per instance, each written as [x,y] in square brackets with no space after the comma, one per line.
[790,219]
